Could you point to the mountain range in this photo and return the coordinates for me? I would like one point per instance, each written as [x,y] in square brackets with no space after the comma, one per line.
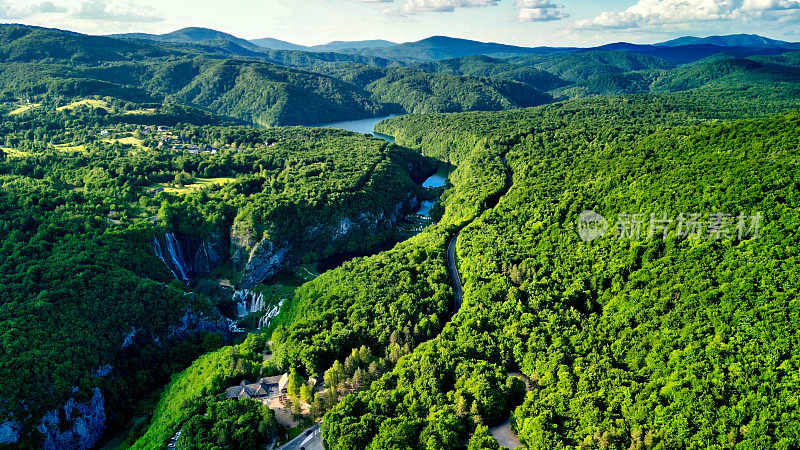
[677,51]
[733,40]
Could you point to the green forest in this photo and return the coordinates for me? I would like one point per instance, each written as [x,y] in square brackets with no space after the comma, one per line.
[150,183]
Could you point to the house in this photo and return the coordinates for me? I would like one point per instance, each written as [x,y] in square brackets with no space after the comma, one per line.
[104,133]
[265,388]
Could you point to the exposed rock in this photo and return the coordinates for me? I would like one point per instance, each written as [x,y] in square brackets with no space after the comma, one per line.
[103,371]
[75,425]
[260,260]
[266,259]
[194,322]
[9,432]
[128,341]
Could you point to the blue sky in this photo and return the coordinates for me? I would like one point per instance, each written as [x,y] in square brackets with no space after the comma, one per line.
[521,22]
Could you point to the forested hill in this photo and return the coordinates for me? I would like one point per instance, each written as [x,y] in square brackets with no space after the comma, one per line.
[643,341]
[264,88]
[623,220]
[221,74]
[193,35]
[484,66]
[88,302]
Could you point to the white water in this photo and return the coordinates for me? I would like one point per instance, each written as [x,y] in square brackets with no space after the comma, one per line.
[174,249]
[175,256]
[247,302]
[264,321]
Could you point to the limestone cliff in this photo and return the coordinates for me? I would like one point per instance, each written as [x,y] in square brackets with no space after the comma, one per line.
[260,259]
[75,425]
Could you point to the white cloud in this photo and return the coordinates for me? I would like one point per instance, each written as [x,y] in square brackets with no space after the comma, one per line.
[94,10]
[528,10]
[115,11]
[540,11]
[19,10]
[410,7]
[770,5]
[655,13]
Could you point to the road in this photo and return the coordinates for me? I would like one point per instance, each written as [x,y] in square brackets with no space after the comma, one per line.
[311,439]
[458,288]
[505,436]
[452,267]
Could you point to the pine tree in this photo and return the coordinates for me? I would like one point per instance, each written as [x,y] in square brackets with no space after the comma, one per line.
[359,378]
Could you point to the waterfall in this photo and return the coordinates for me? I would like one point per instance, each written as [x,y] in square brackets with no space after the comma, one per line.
[201,260]
[160,253]
[264,321]
[128,341]
[174,249]
[248,302]
[173,258]
[233,326]
[186,256]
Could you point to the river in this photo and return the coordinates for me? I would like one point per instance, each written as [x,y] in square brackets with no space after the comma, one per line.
[437,180]
[367,126]
[364,126]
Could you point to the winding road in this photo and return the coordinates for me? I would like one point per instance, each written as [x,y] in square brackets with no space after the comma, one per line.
[458,288]
[452,267]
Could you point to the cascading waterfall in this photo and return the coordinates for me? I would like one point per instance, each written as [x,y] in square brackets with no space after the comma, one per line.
[248,302]
[264,321]
[173,258]
[201,259]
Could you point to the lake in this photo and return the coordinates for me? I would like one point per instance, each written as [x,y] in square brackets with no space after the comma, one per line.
[364,126]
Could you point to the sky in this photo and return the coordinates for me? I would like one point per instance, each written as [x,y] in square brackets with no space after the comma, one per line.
[519,22]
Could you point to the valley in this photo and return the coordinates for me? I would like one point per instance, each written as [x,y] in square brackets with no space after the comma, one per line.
[389,236]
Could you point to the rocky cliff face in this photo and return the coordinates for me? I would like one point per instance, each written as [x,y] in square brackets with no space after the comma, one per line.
[259,260]
[264,260]
[9,432]
[194,322]
[75,425]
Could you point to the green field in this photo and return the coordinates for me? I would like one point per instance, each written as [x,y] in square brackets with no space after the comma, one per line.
[23,108]
[198,183]
[91,103]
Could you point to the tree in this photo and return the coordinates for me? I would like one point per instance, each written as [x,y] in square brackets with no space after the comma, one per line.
[359,378]
[373,371]
[305,393]
[317,408]
[295,385]
[482,440]
[365,354]
[334,376]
